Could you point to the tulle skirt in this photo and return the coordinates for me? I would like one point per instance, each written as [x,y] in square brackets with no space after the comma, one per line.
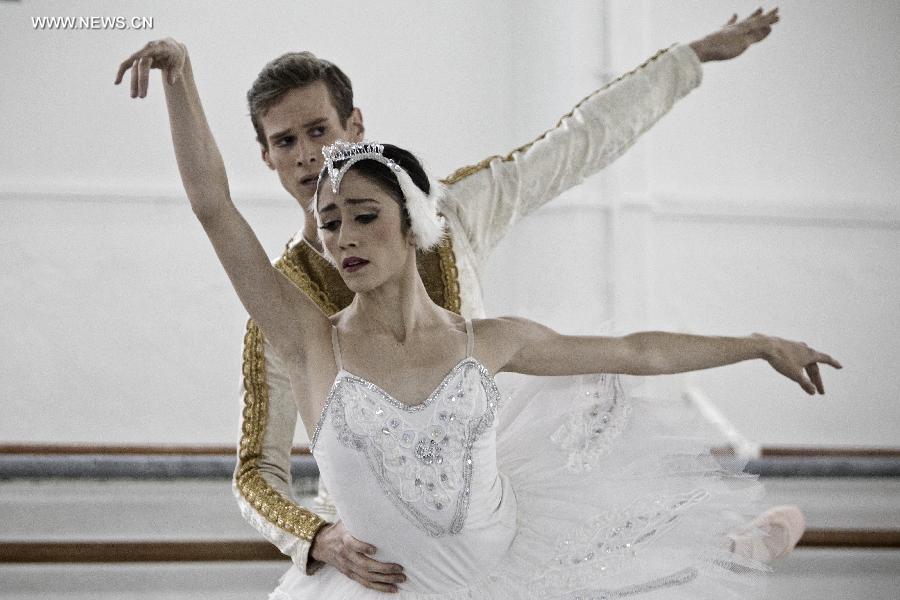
[617,496]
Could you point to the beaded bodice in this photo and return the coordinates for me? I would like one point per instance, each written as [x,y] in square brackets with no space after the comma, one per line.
[421,455]
[424,456]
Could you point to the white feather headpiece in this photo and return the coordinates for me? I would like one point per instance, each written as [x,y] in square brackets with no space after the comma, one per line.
[427,225]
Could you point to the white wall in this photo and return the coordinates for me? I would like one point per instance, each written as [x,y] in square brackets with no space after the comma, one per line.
[120,325]
[764,202]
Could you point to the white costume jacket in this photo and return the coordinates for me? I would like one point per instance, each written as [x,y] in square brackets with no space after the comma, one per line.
[482,202]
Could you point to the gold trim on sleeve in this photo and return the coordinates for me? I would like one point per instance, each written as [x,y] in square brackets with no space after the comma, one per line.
[466,171]
[277,509]
[303,281]
[449,276]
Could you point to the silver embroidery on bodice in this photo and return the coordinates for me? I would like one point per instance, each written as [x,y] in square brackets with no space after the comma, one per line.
[424,465]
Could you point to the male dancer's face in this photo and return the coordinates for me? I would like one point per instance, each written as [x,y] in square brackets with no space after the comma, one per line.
[296,128]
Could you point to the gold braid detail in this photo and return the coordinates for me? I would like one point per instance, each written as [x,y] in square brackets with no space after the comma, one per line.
[449,276]
[277,509]
[306,284]
[466,171]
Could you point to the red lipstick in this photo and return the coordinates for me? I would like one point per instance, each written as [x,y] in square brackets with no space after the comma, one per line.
[353,263]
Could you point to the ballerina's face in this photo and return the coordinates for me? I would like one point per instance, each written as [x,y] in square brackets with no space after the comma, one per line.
[362,230]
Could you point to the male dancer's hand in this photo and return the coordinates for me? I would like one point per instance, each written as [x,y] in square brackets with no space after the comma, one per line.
[167,55]
[736,36]
[791,359]
[333,544]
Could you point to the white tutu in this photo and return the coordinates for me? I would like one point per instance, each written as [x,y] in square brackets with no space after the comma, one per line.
[616,496]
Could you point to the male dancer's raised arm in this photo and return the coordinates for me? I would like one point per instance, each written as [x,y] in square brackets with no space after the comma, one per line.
[491,196]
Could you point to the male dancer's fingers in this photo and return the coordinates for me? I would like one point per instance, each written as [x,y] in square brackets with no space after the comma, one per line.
[376,566]
[370,569]
[382,571]
[360,547]
[760,18]
[374,579]
[367,564]
[366,583]
[378,577]
[766,20]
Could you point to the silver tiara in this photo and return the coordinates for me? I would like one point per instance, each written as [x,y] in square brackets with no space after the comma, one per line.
[428,226]
[352,152]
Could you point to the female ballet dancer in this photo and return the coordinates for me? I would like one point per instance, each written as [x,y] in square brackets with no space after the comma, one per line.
[406,412]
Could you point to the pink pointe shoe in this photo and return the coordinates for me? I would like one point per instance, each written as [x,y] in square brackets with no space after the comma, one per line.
[771,535]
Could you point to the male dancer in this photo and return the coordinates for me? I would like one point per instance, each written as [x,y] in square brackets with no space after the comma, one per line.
[298,104]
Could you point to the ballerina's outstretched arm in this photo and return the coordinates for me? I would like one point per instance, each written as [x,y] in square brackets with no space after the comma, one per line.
[528,347]
[270,298]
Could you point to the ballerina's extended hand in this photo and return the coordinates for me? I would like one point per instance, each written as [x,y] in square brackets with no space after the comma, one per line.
[168,55]
[791,359]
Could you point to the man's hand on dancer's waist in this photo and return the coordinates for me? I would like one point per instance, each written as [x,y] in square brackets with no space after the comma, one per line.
[167,54]
[333,544]
[736,36]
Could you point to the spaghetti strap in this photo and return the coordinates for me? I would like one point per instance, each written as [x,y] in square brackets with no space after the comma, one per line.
[470,338]
[336,348]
